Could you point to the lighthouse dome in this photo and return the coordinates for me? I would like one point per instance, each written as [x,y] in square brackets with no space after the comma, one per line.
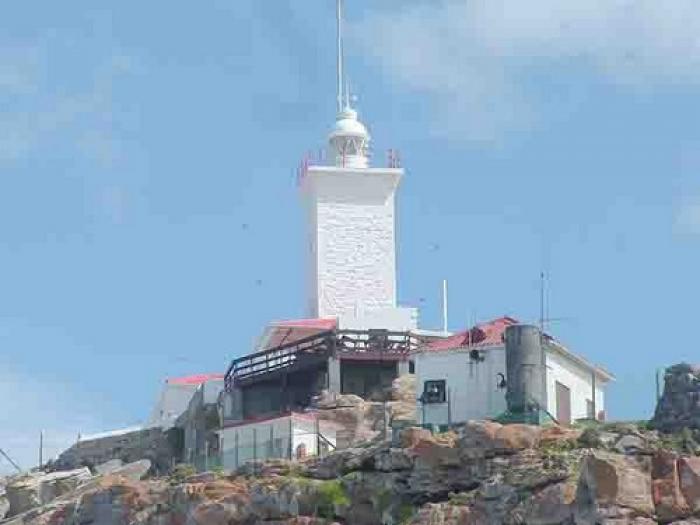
[348,124]
[349,140]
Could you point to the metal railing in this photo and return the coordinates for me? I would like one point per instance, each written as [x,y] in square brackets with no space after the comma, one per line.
[357,344]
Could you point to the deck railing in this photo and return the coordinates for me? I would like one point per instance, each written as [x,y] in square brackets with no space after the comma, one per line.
[367,344]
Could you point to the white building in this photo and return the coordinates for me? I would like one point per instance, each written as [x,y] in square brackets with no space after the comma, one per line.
[174,398]
[465,377]
[289,436]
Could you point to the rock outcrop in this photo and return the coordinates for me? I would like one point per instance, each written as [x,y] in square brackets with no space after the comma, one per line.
[362,421]
[679,406]
[33,490]
[485,474]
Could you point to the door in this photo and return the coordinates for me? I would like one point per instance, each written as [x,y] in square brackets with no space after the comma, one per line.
[563,404]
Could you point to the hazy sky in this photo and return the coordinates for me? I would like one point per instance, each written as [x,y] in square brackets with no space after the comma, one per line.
[149,217]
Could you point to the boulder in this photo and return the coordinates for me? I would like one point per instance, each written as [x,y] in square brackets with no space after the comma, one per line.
[444,514]
[557,434]
[38,489]
[478,438]
[631,444]
[668,499]
[393,459]
[133,471]
[411,436]
[108,467]
[678,407]
[517,437]
[403,388]
[549,506]
[612,486]
[689,476]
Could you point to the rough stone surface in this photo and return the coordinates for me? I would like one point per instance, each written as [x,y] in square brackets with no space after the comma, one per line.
[483,474]
[109,466]
[38,489]
[152,444]
[679,406]
[668,498]
[612,486]
[133,471]
[689,475]
[411,436]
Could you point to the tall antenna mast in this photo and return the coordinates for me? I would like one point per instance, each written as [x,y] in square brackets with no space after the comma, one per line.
[339,15]
[542,293]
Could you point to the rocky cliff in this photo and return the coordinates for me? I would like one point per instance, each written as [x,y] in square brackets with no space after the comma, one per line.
[484,474]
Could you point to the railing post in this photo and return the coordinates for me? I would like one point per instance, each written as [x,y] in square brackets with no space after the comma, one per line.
[236,453]
[255,450]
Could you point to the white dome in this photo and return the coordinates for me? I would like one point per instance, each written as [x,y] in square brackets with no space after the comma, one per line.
[348,125]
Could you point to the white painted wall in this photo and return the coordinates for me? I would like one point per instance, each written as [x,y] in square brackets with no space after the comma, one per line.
[301,428]
[352,247]
[473,386]
[396,319]
[577,379]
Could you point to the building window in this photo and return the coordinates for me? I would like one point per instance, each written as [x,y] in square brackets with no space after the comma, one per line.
[589,409]
[434,391]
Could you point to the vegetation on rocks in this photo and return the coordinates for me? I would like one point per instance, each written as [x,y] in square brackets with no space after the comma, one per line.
[481,473]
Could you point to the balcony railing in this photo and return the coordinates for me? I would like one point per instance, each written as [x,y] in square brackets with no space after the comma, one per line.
[351,344]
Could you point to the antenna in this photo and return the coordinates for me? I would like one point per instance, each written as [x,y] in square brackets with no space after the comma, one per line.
[542,292]
[339,17]
[444,305]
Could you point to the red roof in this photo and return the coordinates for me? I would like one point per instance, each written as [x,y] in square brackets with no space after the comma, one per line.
[485,334]
[196,379]
[283,332]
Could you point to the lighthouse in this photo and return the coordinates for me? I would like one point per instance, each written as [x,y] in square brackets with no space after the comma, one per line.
[350,214]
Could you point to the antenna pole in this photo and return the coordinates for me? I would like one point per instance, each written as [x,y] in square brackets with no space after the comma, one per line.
[542,284]
[339,16]
[444,305]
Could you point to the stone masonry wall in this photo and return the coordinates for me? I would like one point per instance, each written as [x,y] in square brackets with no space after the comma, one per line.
[160,447]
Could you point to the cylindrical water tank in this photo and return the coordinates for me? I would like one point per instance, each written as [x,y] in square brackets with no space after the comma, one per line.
[525,368]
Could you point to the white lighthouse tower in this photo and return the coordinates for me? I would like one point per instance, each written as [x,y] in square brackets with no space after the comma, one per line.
[351,220]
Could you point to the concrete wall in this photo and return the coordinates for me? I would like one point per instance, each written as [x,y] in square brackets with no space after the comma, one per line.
[172,402]
[473,388]
[199,422]
[352,250]
[394,319]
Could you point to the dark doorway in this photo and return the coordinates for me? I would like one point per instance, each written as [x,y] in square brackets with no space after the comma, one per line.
[563,404]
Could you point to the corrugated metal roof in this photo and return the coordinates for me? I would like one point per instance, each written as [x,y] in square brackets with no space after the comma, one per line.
[484,334]
[194,380]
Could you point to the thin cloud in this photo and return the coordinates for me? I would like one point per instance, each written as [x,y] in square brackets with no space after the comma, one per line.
[39,113]
[688,218]
[474,56]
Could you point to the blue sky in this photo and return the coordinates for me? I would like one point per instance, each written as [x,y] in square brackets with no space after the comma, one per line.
[149,220]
